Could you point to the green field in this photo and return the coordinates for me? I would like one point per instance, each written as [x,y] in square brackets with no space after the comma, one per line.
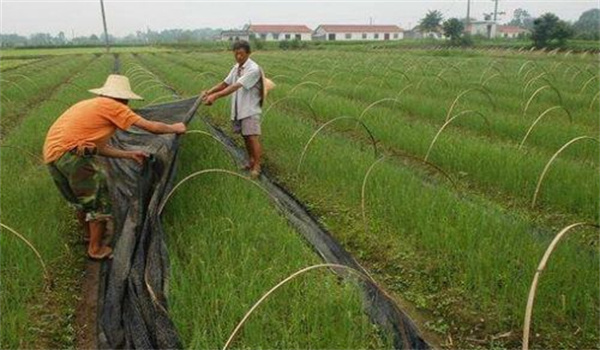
[456,240]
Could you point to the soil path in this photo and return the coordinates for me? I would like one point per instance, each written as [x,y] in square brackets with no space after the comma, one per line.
[86,312]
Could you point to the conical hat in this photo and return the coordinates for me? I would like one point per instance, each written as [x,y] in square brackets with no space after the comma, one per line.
[116,86]
[267,85]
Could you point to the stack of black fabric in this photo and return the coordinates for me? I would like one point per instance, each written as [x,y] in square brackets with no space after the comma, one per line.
[132,302]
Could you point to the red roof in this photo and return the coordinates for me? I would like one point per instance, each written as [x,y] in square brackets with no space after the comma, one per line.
[352,28]
[276,28]
[511,29]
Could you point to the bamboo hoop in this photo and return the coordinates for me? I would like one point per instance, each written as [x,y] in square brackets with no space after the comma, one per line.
[163,98]
[531,81]
[395,100]
[304,84]
[311,73]
[312,100]
[536,277]
[437,135]
[283,282]
[207,171]
[490,78]
[152,86]
[540,118]
[460,95]
[15,84]
[37,159]
[358,121]
[201,132]
[26,78]
[524,65]
[30,245]
[587,83]
[593,99]
[314,114]
[536,92]
[539,183]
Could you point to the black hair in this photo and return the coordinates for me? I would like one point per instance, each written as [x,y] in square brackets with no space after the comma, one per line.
[241,44]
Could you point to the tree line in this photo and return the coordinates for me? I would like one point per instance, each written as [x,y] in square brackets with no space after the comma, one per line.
[148,37]
[547,30]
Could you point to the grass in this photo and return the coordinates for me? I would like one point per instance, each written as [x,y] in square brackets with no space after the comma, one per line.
[35,314]
[464,259]
[461,257]
[37,52]
[224,233]
[28,86]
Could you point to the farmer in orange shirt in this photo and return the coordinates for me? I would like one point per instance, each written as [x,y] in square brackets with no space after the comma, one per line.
[81,134]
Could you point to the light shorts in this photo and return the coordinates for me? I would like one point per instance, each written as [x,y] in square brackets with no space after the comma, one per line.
[249,126]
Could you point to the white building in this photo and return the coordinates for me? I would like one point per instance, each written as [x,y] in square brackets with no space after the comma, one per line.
[487,29]
[337,32]
[417,33]
[511,32]
[270,32]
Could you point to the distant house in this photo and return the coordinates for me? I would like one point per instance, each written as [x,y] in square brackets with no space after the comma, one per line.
[417,33]
[336,32]
[234,35]
[511,32]
[271,32]
[486,29]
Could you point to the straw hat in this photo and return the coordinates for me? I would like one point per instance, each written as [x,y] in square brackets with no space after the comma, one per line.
[116,86]
[267,85]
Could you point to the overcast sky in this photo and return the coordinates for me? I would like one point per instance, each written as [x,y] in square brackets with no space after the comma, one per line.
[82,17]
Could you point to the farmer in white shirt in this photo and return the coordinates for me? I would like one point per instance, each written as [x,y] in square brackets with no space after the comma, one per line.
[246,84]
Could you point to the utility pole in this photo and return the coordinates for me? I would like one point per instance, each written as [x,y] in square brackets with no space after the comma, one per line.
[495,11]
[104,22]
[468,12]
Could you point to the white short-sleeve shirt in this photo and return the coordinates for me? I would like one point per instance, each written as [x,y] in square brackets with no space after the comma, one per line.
[245,101]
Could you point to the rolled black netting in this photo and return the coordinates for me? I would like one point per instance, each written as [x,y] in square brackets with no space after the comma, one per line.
[132,302]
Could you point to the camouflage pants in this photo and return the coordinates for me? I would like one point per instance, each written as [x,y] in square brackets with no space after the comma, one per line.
[82,182]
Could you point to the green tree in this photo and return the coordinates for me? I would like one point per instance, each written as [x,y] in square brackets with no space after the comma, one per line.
[588,25]
[431,22]
[453,29]
[521,18]
[550,31]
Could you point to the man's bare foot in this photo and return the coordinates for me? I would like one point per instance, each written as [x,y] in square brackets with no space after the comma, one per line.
[104,252]
[254,173]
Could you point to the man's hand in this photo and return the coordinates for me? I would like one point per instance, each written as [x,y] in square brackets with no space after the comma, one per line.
[179,128]
[138,156]
[210,99]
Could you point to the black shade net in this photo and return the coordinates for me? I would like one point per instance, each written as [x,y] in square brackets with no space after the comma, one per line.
[132,302]
[133,307]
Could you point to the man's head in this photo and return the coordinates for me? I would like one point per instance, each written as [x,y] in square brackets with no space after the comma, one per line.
[241,51]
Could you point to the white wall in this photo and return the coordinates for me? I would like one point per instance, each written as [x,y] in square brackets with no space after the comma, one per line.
[282,36]
[359,36]
[233,38]
[482,29]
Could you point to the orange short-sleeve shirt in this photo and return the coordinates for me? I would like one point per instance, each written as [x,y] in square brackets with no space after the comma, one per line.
[87,124]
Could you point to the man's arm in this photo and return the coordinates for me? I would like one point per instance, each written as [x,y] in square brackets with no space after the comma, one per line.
[222,85]
[211,98]
[159,127]
[108,151]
